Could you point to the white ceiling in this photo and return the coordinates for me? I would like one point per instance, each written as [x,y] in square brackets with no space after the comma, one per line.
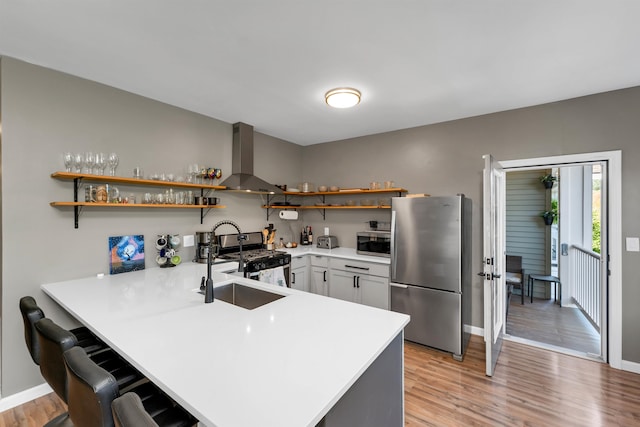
[269,63]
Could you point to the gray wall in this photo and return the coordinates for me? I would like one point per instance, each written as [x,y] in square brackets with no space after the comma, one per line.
[46,113]
[446,158]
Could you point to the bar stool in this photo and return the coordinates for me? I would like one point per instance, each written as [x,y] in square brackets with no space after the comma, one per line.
[53,341]
[128,411]
[32,313]
[92,391]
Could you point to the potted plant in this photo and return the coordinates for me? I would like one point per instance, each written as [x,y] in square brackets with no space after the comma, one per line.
[549,216]
[547,180]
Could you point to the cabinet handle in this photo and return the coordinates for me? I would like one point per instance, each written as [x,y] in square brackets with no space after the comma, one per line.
[354,281]
[355,266]
[293,278]
[358,282]
[324,276]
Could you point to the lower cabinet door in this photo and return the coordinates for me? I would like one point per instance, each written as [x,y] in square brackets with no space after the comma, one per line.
[299,279]
[343,285]
[374,291]
[318,281]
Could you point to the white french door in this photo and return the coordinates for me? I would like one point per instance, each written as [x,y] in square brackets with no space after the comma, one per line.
[493,260]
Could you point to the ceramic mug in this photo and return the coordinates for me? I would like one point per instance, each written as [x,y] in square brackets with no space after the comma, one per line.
[161,242]
[174,239]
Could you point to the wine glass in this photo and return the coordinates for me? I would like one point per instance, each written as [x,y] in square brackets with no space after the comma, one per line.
[78,159]
[90,161]
[101,163]
[112,160]
[68,160]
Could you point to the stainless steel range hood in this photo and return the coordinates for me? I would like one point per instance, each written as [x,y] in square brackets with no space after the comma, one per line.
[242,177]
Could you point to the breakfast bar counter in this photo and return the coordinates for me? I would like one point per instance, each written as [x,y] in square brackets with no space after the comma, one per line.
[296,361]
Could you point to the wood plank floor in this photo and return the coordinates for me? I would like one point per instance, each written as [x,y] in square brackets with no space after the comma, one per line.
[531,387]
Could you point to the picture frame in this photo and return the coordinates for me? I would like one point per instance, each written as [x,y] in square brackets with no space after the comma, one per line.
[126,253]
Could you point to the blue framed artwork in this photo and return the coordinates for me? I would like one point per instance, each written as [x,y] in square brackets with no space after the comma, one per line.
[126,253]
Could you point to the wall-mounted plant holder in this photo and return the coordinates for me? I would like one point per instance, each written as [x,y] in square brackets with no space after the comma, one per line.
[548,180]
[548,217]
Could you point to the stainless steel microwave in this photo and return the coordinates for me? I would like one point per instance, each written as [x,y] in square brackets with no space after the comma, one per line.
[376,243]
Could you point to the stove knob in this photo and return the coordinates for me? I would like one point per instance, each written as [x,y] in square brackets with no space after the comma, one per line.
[281,261]
[263,266]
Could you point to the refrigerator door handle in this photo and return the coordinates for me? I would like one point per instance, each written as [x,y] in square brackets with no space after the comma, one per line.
[393,246]
[398,285]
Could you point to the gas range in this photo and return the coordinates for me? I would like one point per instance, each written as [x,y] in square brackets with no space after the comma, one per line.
[254,256]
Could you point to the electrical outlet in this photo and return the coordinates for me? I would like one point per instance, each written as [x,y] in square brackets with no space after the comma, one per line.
[187,241]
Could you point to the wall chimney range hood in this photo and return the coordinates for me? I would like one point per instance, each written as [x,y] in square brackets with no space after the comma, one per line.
[242,177]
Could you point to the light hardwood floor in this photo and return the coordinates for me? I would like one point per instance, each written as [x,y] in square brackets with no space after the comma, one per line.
[531,387]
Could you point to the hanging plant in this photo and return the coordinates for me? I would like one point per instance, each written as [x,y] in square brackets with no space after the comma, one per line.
[548,180]
[549,217]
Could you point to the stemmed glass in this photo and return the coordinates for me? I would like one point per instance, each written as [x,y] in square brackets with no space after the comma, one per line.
[112,160]
[90,161]
[68,160]
[101,163]
[194,171]
[78,159]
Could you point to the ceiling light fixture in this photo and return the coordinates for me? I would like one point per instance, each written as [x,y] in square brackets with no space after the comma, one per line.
[344,97]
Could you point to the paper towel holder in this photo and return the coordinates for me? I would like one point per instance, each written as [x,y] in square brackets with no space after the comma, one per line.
[288,215]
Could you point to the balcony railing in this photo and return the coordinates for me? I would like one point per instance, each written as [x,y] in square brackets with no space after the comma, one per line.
[587,287]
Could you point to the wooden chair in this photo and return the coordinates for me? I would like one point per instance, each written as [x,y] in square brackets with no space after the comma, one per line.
[515,277]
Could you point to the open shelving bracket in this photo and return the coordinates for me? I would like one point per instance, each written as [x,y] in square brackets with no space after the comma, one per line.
[76,209]
[269,200]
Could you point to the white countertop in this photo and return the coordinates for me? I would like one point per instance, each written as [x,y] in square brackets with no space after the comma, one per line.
[283,364]
[345,253]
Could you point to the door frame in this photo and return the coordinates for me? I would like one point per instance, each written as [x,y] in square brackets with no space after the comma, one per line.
[614,226]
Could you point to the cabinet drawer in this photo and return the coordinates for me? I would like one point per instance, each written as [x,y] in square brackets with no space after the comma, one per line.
[362,267]
[319,260]
[298,262]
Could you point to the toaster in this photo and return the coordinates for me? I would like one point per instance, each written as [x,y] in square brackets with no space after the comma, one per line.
[327,242]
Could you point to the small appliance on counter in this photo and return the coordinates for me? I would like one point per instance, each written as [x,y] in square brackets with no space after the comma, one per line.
[327,242]
[202,250]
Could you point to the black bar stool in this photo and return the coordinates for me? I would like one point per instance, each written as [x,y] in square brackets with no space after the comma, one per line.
[92,391]
[32,313]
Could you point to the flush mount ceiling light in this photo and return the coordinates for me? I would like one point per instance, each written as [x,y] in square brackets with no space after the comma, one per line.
[343,97]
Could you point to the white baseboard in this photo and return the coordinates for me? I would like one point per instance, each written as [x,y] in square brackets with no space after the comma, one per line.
[24,396]
[630,366]
[474,330]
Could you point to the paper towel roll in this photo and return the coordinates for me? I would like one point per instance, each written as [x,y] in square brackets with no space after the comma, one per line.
[289,215]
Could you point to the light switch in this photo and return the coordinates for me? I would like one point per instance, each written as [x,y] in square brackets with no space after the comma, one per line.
[187,241]
[633,244]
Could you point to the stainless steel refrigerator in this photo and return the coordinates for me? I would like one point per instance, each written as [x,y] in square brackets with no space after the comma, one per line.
[431,269]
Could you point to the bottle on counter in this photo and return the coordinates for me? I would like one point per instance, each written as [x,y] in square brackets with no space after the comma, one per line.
[281,243]
[310,236]
[304,237]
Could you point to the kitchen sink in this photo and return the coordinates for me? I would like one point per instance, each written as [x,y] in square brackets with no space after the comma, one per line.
[244,296]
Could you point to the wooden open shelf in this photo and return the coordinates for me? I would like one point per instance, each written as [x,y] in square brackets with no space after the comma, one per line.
[79,178]
[133,181]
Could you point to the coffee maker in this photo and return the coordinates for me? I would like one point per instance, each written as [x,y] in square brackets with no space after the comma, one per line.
[202,249]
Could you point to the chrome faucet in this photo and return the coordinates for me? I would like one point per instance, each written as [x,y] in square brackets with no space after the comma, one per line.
[213,252]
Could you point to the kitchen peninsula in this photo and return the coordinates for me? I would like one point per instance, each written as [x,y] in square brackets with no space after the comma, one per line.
[300,360]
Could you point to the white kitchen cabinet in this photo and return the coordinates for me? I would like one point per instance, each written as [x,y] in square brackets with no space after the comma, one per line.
[319,276]
[299,274]
[360,282]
